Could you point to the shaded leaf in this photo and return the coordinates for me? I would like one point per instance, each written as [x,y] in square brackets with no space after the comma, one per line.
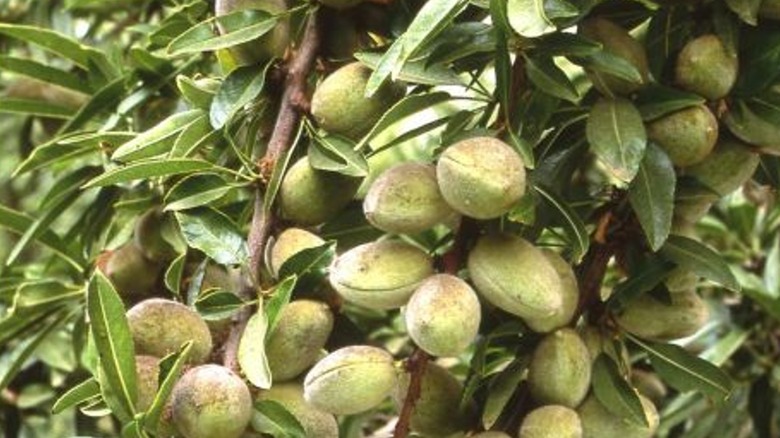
[309,261]
[156,140]
[239,27]
[149,169]
[280,297]
[415,72]
[44,73]
[273,419]
[55,42]
[654,101]
[685,371]
[196,191]
[217,305]
[12,360]
[529,18]
[572,224]
[336,154]
[501,389]
[171,367]
[549,78]
[240,88]
[614,392]
[701,260]
[651,195]
[408,106]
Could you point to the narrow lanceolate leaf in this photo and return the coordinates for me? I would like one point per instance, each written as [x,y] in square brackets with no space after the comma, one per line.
[76,395]
[213,233]
[549,78]
[406,107]
[652,202]
[614,392]
[218,305]
[239,27]
[686,372]
[196,191]
[149,169]
[34,108]
[433,17]
[156,140]
[251,351]
[502,387]
[645,278]
[169,375]
[656,101]
[273,419]
[44,73]
[617,136]
[336,154]
[133,429]
[113,341]
[309,261]
[69,147]
[241,87]
[280,297]
[54,42]
[700,259]
[571,222]
[14,359]
[174,273]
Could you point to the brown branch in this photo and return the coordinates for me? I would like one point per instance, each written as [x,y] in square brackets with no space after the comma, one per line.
[415,366]
[293,103]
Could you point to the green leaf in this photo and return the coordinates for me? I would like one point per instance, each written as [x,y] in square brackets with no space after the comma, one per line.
[416,72]
[701,260]
[104,99]
[684,371]
[133,430]
[13,359]
[251,351]
[432,19]
[747,10]
[173,274]
[529,18]
[566,44]
[334,153]
[149,169]
[69,147]
[280,297]
[20,222]
[406,107]
[241,87]
[158,139]
[654,101]
[651,195]
[217,305]
[240,27]
[280,168]
[171,367]
[194,136]
[34,108]
[501,389]
[772,268]
[309,261]
[617,136]
[611,64]
[44,73]
[549,78]
[194,93]
[54,42]
[753,288]
[114,342]
[614,393]
[726,346]
[42,295]
[274,419]
[668,31]
[645,278]
[213,233]
[572,224]
[196,191]
[77,395]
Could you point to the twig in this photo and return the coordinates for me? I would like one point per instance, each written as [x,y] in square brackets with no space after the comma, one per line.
[293,103]
[415,366]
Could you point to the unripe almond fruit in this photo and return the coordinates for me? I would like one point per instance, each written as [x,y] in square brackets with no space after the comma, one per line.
[211,401]
[727,168]
[380,275]
[406,199]
[133,275]
[340,106]
[481,177]
[350,380]
[570,297]
[300,334]
[309,196]
[316,423]
[516,276]
[649,385]
[290,242]
[437,411]
[552,421]
[148,236]
[687,136]
[650,318]
[147,372]
[598,422]
[490,434]
[271,45]
[705,67]
[443,315]
[616,41]
[559,372]
[160,327]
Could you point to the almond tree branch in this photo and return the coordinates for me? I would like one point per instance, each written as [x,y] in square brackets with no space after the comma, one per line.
[293,104]
[415,366]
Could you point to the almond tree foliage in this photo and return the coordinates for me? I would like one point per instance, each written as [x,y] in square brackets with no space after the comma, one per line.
[571,202]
